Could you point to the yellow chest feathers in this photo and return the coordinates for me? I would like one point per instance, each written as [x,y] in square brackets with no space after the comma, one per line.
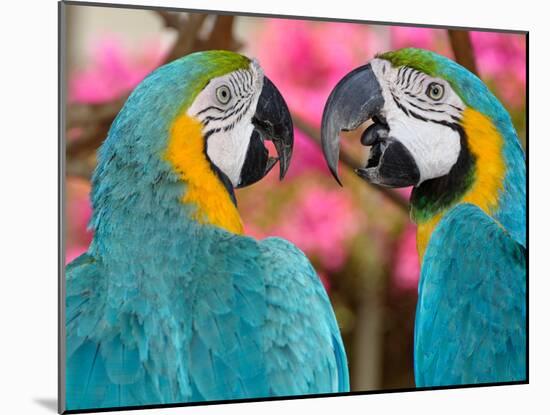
[186,153]
[485,143]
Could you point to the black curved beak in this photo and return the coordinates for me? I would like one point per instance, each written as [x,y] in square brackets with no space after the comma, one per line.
[355,99]
[272,122]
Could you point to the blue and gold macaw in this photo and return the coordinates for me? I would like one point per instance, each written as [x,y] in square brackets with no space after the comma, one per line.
[438,128]
[172,302]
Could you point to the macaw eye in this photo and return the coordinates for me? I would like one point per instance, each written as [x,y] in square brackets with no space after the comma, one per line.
[223,94]
[435,91]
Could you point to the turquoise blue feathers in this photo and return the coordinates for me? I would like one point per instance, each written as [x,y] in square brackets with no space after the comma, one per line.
[236,325]
[471,313]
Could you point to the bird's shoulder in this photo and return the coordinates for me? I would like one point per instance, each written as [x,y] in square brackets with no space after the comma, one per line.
[470,320]
[284,261]
[266,296]
[265,273]
[291,279]
[468,233]
[300,317]
[264,263]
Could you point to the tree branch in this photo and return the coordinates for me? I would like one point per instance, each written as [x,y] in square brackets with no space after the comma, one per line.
[462,49]
[221,36]
[187,34]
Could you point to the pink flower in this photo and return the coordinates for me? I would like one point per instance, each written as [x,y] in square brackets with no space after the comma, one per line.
[74,252]
[501,59]
[320,222]
[406,269]
[307,156]
[113,70]
[418,37]
[306,60]
[78,214]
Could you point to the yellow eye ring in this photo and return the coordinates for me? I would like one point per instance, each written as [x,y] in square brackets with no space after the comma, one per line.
[223,94]
[435,91]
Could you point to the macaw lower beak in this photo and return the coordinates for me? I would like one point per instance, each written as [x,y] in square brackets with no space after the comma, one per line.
[355,99]
[272,122]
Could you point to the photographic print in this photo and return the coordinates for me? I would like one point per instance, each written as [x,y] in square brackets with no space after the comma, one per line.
[262,207]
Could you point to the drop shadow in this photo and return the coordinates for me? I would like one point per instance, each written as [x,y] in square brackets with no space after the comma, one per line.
[48,403]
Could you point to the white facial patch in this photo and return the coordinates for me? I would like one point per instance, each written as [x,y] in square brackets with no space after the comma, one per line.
[424,125]
[225,107]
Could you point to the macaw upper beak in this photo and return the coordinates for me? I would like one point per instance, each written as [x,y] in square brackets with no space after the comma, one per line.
[355,99]
[272,121]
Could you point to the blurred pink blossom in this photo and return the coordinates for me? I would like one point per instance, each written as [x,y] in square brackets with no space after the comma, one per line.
[406,270]
[435,40]
[114,70]
[74,252]
[78,214]
[501,58]
[307,156]
[320,222]
[306,60]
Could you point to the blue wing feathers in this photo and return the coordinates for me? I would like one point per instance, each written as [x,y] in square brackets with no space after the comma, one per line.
[301,323]
[470,323]
[263,348]
[255,322]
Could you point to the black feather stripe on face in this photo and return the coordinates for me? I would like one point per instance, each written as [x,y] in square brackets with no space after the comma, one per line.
[242,90]
[409,94]
[410,98]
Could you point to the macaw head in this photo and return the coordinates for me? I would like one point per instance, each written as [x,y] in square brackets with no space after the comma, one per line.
[435,126]
[200,121]
[238,108]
